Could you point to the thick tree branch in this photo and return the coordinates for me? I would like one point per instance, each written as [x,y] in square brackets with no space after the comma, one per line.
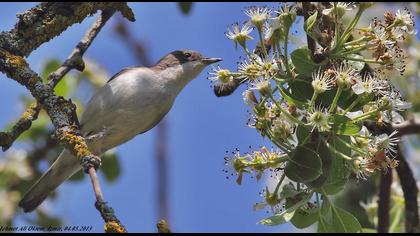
[384,202]
[48,20]
[409,187]
[14,45]
[410,126]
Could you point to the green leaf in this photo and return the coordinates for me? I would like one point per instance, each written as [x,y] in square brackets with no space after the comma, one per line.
[303,62]
[288,97]
[324,226]
[185,7]
[286,215]
[344,125]
[305,218]
[49,67]
[310,22]
[339,172]
[325,208]
[397,216]
[301,90]
[304,165]
[288,191]
[368,230]
[344,222]
[110,167]
[302,134]
[326,160]
[80,175]
[62,88]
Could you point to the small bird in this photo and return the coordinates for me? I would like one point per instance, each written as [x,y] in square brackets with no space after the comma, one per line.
[132,102]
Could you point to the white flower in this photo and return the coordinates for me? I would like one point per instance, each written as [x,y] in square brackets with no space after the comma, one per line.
[222,75]
[319,119]
[249,70]
[405,20]
[398,33]
[321,82]
[282,128]
[396,101]
[381,37]
[367,84]
[262,85]
[274,29]
[249,98]
[240,35]
[339,7]
[387,142]
[267,67]
[258,16]
[287,15]
[392,117]
[344,75]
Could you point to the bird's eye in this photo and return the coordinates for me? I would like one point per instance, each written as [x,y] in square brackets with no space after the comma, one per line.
[187,55]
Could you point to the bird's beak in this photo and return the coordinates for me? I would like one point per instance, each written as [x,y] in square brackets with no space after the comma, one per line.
[209,60]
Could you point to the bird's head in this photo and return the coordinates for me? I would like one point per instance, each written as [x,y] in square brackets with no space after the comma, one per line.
[187,64]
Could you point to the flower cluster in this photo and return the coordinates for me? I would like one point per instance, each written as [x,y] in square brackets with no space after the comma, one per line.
[306,107]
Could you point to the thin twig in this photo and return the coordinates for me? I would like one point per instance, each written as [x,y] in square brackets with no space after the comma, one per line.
[75,61]
[23,124]
[162,227]
[384,202]
[410,190]
[306,7]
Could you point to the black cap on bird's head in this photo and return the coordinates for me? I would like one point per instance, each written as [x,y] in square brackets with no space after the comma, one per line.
[180,57]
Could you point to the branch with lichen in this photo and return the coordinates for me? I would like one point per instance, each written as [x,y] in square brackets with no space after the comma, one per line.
[47,21]
[163,227]
[23,124]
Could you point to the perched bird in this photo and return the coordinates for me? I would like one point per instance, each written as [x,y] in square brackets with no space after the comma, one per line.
[132,102]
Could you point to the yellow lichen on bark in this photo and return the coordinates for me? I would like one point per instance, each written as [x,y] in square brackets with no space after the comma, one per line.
[30,112]
[78,143]
[114,227]
[16,61]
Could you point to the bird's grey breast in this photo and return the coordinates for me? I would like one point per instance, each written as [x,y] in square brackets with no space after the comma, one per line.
[131,103]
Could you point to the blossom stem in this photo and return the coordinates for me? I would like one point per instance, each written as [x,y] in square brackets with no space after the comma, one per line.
[286,57]
[336,28]
[353,104]
[364,60]
[262,44]
[279,183]
[349,145]
[329,146]
[317,202]
[356,41]
[349,29]
[366,115]
[335,100]
[354,50]
[312,102]
[286,113]
[248,53]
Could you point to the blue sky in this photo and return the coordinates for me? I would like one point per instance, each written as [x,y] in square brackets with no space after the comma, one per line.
[201,127]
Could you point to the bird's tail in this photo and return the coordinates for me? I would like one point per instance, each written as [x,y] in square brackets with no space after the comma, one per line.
[63,168]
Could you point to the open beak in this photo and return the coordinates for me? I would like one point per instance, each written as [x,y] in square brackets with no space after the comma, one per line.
[208,60]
